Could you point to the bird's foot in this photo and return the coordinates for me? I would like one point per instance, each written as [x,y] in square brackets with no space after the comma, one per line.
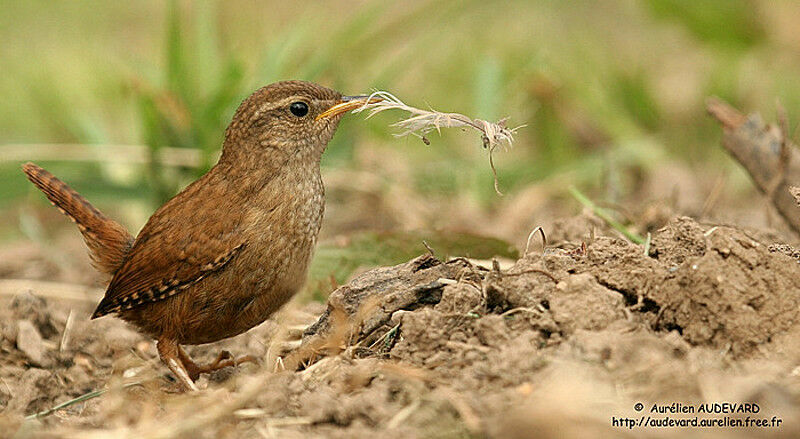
[223,360]
[170,354]
[187,371]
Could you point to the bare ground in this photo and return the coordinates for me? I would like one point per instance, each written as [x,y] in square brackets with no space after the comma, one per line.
[558,345]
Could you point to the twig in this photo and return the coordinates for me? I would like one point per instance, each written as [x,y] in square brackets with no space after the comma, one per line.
[765,152]
[421,122]
[429,248]
[67,330]
[403,414]
[605,216]
[520,309]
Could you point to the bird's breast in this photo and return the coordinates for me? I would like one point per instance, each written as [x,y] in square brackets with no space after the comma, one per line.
[281,228]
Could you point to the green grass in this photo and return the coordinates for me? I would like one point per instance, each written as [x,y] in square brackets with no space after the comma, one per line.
[606,216]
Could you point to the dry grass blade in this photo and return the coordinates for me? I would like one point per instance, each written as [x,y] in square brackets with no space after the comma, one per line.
[420,122]
[82,398]
[530,236]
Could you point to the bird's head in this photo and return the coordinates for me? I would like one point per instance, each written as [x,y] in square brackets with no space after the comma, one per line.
[288,119]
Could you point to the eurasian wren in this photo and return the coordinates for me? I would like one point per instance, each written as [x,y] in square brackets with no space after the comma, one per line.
[231,248]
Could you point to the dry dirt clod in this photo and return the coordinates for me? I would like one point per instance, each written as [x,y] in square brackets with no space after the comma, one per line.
[30,342]
[582,303]
[29,306]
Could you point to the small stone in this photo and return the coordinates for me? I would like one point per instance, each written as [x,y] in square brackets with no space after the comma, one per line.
[30,342]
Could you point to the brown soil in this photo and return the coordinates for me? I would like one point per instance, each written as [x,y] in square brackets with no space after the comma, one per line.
[555,346]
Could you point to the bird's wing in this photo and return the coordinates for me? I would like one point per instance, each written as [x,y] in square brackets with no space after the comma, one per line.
[178,247]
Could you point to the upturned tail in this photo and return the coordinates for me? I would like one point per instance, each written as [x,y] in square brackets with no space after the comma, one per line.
[108,241]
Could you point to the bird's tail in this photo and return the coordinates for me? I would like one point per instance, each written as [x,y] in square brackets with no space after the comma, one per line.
[108,241]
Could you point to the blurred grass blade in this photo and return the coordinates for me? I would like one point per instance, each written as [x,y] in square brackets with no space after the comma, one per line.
[605,216]
[177,69]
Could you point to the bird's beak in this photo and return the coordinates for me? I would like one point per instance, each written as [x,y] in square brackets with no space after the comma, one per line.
[347,103]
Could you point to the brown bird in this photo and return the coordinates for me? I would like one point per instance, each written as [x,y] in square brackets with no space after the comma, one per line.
[231,248]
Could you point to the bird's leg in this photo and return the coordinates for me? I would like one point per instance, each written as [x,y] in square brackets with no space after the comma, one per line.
[170,354]
[224,359]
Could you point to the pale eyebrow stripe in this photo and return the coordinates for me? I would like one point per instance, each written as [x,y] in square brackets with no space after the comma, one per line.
[283,102]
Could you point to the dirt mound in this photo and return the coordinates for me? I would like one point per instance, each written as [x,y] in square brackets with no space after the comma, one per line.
[560,345]
[730,292]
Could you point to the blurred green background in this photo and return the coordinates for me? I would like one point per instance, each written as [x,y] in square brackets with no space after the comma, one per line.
[128,101]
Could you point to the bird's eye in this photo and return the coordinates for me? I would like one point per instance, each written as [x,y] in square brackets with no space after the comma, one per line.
[299,109]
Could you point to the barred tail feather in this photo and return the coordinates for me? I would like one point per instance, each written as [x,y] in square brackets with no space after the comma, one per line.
[108,241]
